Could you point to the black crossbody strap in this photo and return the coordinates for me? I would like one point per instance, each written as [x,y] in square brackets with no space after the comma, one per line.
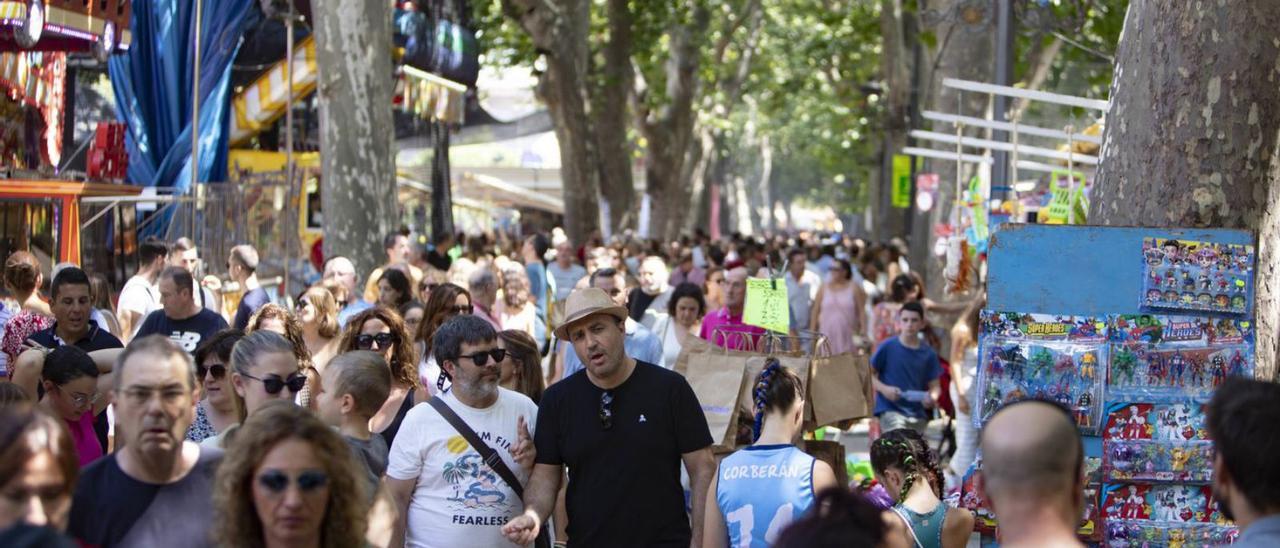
[489,454]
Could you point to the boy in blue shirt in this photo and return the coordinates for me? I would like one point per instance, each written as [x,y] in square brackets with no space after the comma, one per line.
[906,375]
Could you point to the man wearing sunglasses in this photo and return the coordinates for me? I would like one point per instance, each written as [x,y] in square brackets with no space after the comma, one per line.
[181,319]
[138,495]
[622,427]
[445,494]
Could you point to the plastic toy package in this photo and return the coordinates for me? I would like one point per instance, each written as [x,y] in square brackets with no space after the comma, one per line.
[1060,358]
[1199,276]
[1176,357]
[1165,442]
[1163,515]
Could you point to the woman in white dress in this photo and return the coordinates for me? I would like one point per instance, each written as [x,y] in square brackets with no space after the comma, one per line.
[684,316]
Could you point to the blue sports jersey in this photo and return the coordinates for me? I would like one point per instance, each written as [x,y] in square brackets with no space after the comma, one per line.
[761,489]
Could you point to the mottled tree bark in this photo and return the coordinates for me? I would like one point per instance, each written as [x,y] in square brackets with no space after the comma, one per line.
[888,221]
[1193,132]
[558,28]
[356,129]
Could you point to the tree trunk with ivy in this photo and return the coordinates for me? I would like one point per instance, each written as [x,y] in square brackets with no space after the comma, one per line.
[1193,133]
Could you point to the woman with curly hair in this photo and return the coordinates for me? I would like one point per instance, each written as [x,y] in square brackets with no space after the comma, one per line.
[381,330]
[446,301]
[289,480]
[394,289]
[908,468]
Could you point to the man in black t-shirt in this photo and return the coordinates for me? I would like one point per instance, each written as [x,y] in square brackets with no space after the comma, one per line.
[158,489]
[622,427]
[181,319]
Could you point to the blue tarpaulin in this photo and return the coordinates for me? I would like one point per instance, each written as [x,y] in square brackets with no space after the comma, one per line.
[152,85]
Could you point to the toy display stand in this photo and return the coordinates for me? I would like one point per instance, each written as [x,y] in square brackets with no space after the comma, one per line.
[1068,320]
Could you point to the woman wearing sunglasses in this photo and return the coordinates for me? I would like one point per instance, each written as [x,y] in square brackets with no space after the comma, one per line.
[263,369]
[445,301]
[216,411]
[76,392]
[317,311]
[289,480]
[276,318]
[381,330]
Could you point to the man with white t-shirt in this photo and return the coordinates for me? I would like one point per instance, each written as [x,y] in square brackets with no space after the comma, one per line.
[139,296]
[445,493]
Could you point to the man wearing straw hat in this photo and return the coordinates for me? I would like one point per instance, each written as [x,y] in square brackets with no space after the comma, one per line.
[622,428]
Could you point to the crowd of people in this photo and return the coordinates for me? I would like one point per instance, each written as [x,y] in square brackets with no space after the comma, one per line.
[494,392]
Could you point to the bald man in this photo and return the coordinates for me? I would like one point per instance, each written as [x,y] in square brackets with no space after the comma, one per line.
[1033,474]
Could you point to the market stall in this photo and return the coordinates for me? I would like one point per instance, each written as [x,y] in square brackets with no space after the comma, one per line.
[1152,322]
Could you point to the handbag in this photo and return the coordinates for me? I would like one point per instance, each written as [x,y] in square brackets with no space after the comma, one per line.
[491,458]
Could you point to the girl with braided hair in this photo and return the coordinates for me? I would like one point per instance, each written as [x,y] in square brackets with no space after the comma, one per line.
[759,490]
[909,470]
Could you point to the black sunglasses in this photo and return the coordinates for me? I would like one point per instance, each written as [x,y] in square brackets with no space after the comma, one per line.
[482,358]
[383,340]
[277,481]
[273,385]
[217,369]
[606,410]
[463,309]
[302,303]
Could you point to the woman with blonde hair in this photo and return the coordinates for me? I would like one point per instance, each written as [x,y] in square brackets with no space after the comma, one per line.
[289,480]
[317,311]
[381,330]
[263,368]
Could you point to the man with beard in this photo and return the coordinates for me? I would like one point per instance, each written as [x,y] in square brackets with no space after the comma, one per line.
[137,496]
[622,429]
[1246,483]
[1033,474]
[446,493]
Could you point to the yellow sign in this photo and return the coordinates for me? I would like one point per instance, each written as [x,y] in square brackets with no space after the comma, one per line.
[767,305]
[901,181]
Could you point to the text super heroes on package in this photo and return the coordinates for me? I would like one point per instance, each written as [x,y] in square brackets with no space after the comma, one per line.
[1059,358]
[1196,276]
[1159,357]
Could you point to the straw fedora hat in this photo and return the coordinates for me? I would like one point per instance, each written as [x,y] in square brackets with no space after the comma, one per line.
[587,302]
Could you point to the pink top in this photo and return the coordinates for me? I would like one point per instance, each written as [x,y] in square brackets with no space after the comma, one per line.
[839,318]
[85,438]
[732,329]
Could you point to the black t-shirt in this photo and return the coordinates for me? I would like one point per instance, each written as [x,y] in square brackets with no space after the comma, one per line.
[637,302]
[250,303]
[95,339]
[624,482]
[110,508]
[188,333]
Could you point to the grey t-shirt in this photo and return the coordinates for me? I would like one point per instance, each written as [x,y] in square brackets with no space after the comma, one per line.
[372,455]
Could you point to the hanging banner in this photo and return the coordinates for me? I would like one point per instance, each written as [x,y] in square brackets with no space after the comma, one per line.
[901,181]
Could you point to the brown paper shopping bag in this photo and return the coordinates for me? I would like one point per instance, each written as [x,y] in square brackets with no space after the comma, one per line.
[840,388]
[716,378]
[692,345]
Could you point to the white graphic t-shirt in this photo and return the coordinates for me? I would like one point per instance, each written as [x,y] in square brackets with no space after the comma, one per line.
[458,500]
